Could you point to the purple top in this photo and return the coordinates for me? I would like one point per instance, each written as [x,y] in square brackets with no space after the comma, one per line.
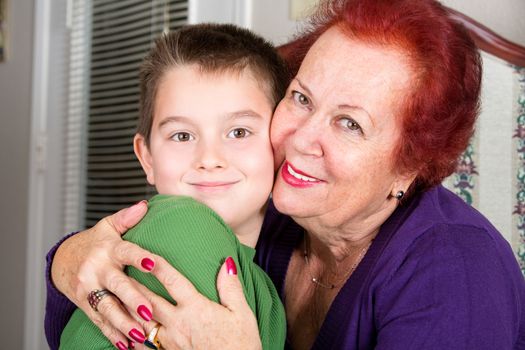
[438,276]
[58,308]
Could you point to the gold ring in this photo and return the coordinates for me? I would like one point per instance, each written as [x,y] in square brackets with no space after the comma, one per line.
[151,341]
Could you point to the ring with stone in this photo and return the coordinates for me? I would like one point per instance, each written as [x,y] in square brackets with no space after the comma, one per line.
[95,296]
[151,341]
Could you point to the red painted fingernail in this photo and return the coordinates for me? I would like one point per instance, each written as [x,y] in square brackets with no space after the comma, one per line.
[144,312]
[147,264]
[132,344]
[137,335]
[121,346]
[230,266]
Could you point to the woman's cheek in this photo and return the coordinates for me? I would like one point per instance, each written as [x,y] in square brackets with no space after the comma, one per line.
[278,132]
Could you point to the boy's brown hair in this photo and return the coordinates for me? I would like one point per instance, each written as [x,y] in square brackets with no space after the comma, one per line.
[214,48]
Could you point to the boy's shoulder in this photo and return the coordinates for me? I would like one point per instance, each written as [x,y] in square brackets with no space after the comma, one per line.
[184,217]
[181,206]
[163,201]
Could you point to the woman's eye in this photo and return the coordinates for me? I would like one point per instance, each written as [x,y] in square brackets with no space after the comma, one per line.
[350,124]
[300,98]
[182,137]
[239,133]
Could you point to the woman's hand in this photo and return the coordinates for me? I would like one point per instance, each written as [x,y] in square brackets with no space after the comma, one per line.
[196,322]
[95,259]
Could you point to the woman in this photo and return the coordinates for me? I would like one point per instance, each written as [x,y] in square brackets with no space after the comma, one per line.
[365,246]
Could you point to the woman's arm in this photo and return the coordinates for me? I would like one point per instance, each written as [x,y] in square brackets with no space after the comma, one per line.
[58,307]
[94,259]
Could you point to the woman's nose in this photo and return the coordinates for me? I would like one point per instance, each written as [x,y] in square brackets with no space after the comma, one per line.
[307,137]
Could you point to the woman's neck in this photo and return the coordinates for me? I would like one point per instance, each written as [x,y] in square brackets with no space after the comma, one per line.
[337,255]
[334,244]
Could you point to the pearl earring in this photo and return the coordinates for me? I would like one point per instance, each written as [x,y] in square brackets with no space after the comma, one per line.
[399,195]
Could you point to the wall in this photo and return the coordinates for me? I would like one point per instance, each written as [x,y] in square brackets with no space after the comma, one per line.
[15,113]
[505,17]
[48,108]
[271,18]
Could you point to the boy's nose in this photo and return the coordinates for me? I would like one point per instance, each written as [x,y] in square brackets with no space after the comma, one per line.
[210,157]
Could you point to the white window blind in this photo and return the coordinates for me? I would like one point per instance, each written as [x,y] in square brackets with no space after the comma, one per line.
[119,33]
[78,21]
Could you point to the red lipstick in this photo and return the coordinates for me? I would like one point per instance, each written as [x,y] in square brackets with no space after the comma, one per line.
[288,172]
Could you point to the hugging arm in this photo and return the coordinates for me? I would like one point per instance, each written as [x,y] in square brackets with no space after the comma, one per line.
[193,242]
[95,259]
[58,307]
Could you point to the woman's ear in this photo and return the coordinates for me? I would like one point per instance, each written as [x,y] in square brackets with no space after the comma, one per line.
[402,183]
[144,156]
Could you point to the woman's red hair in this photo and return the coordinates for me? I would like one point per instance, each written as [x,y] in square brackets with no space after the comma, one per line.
[438,115]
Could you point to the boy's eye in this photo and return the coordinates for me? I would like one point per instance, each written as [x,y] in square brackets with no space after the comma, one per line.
[300,98]
[182,137]
[239,133]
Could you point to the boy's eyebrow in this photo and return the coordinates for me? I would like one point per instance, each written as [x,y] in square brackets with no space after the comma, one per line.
[172,119]
[230,116]
[244,113]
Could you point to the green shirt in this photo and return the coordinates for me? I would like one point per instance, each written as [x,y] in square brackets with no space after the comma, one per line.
[196,241]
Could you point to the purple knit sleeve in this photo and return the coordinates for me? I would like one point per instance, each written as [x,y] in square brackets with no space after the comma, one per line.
[58,307]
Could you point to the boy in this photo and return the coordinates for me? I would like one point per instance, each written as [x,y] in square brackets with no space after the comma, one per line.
[207,97]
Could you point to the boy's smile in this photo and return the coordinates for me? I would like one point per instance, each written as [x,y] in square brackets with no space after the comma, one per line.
[213,186]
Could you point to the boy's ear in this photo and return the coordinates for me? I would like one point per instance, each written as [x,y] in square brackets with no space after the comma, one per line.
[144,156]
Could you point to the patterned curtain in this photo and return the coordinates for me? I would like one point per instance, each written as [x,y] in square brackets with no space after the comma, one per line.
[519,136]
[491,172]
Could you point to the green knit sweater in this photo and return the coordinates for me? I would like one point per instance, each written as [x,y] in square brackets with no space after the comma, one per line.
[196,241]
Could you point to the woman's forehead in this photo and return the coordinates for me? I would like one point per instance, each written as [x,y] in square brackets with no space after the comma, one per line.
[355,71]
[336,51]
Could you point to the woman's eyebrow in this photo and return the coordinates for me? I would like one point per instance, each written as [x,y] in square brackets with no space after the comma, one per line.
[303,86]
[341,106]
[358,108]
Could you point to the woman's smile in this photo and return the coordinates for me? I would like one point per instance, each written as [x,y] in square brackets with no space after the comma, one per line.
[297,178]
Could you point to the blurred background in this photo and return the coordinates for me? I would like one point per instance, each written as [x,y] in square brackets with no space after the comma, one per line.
[68,105]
